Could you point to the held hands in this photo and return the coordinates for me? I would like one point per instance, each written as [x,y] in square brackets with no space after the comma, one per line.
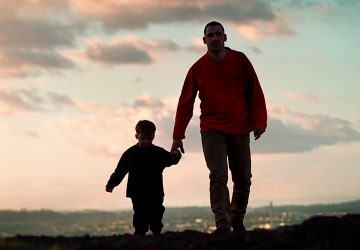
[177,144]
[175,154]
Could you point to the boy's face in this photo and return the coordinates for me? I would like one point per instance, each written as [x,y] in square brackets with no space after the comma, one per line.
[145,141]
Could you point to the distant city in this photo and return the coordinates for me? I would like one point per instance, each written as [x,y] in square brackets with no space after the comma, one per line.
[98,223]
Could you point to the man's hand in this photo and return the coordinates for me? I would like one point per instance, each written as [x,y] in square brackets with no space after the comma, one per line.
[177,144]
[175,154]
[108,189]
[258,133]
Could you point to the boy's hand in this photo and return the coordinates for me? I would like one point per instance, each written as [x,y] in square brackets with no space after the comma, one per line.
[176,154]
[108,189]
[177,144]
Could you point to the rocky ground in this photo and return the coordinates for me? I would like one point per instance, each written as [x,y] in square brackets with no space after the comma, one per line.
[320,232]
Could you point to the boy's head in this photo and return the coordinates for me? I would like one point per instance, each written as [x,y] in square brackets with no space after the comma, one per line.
[145,133]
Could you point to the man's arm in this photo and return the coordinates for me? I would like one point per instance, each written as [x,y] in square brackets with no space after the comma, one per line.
[257,103]
[185,107]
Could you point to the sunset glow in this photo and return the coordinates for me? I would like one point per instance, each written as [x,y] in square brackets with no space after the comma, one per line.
[76,76]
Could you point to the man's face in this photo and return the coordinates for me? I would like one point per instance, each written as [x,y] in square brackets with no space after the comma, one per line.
[144,141]
[214,38]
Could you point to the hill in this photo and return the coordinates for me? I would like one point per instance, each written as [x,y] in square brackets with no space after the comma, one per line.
[107,223]
[319,232]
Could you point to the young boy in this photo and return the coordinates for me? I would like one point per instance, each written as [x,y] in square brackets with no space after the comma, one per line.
[145,163]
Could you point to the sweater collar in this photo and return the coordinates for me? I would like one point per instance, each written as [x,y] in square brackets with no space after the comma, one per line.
[226,56]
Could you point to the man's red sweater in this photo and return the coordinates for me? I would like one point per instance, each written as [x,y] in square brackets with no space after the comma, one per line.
[232,101]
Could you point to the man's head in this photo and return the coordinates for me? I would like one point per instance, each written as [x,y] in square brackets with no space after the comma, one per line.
[214,36]
[145,133]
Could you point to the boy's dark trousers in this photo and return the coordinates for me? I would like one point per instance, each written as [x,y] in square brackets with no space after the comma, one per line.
[148,212]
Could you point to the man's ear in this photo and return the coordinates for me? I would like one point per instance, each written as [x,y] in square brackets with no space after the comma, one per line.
[204,40]
[225,37]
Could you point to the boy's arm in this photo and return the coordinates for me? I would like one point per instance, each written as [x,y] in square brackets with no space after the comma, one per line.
[175,156]
[121,170]
[169,158]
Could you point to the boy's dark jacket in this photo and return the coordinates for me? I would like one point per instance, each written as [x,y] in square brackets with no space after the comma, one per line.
[145,167]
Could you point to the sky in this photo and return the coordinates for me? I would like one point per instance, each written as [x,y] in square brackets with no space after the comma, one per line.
[77,75]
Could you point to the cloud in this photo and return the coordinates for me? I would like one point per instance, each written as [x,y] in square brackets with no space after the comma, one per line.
[31,8]
[35,36]
[291,131]
[256,49]
[60,100]
[254,19]
[118,15]
[260,29]
[35,59]
[118,53]
[107,131]
[283,137]
[334,7]
[35,33]
[129,50]
[11,131]
[291,138]
[197,45]
[301,97]
[32,33]
[21,101]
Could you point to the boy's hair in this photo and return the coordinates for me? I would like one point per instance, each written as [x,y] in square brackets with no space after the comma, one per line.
[146,127]
[214,23]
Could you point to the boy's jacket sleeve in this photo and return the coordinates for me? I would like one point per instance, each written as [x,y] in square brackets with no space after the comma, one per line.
[121,170]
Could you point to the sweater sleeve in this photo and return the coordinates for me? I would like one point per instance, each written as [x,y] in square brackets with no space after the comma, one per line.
[121,170]
[257,105]
[167,159]
[185,106]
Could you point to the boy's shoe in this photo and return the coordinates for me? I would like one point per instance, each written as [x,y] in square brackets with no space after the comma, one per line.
[142,233]
[221,230]
[239,228]
[156,232]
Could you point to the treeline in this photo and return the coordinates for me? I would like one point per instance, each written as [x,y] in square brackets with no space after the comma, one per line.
[337,208]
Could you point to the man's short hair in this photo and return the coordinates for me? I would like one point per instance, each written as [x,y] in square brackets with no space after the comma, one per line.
[145,127]
[214,23]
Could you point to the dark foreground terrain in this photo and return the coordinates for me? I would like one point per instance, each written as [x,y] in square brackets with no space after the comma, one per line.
[319,232]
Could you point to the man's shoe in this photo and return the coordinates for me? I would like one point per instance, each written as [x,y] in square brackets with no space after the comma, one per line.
[156,232]
[239,228]
[222,230]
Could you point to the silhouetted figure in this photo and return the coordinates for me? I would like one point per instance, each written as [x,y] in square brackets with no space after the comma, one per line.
[145,163]
[232,105]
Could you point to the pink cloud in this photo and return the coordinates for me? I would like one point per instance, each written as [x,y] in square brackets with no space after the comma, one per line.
[11,131]
[106,131]
[261,29]
[128,50]
[16,102]
[115,15]
[301,97]
[197,45]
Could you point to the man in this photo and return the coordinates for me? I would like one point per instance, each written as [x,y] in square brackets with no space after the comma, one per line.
[232,106]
